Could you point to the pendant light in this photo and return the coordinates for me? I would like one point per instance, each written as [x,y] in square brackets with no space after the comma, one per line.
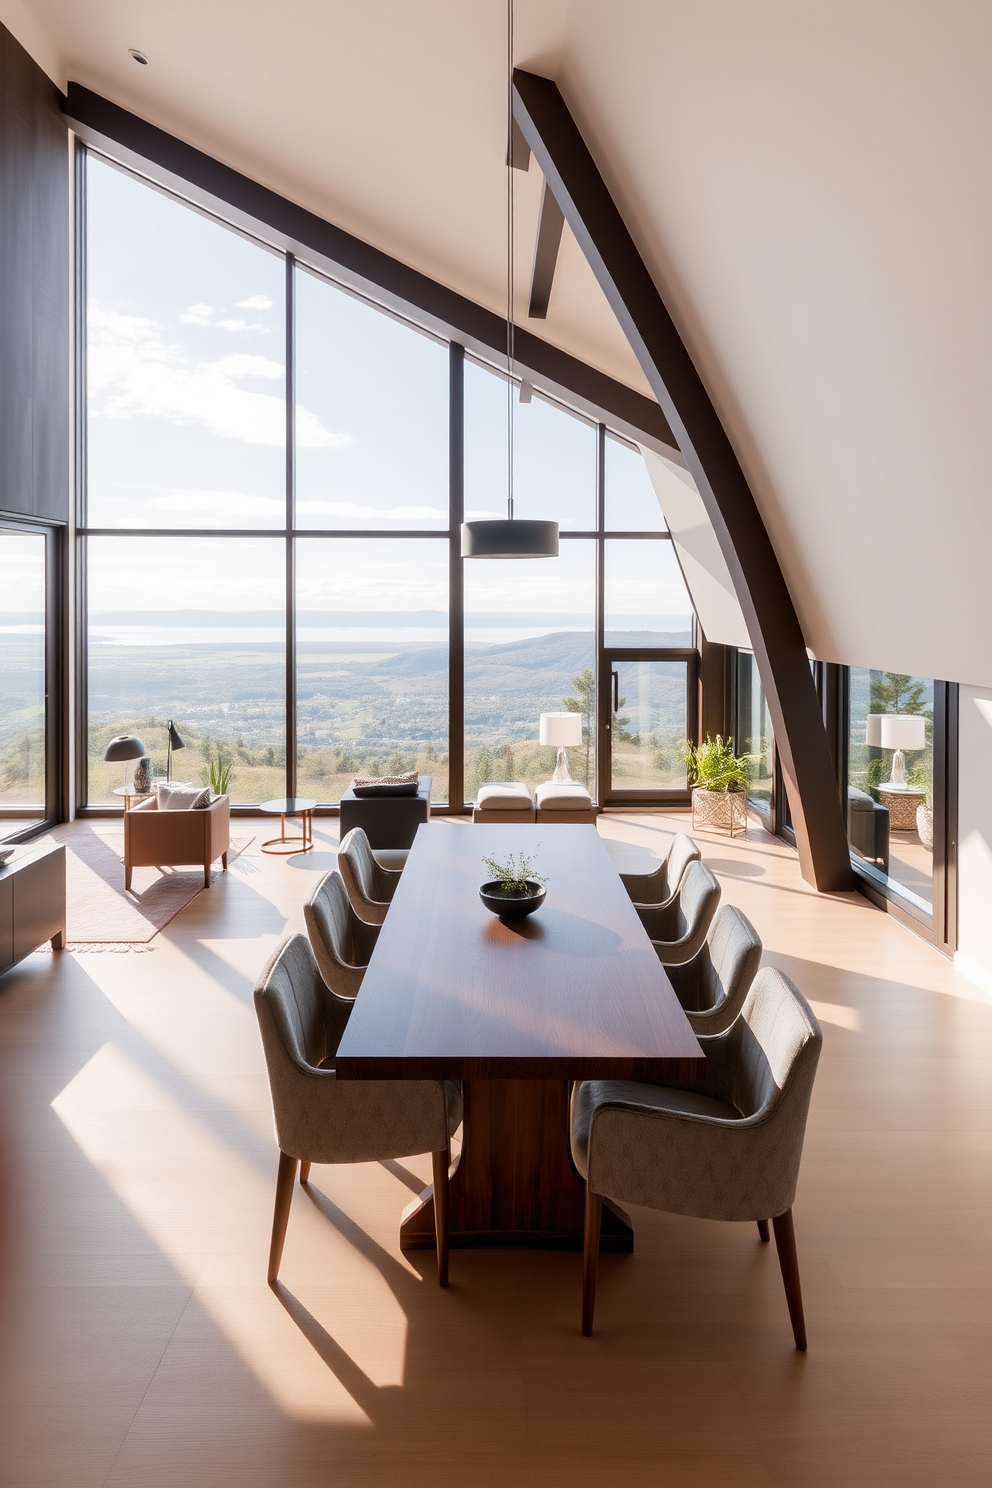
[512,537]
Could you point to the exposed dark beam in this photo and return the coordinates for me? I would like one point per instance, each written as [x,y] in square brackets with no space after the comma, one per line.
[255,208]
[549,226]
[518,153]
[776,635]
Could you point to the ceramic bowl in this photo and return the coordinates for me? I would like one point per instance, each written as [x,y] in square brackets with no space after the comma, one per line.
[512,909]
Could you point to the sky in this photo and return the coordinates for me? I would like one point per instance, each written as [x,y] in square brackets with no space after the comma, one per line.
[186,386]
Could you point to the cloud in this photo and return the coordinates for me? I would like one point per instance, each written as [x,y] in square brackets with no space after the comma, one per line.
[352,509]
[206,508]
[133,370]
[255,302]
[203,315]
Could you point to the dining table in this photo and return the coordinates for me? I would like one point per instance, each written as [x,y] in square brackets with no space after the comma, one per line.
[517,1011]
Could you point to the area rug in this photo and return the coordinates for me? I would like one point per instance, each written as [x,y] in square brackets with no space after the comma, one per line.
[100,915]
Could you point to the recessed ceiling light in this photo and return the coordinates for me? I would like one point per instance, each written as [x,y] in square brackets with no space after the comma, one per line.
[138,56]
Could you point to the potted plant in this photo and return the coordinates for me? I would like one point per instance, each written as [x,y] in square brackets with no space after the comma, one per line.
[718,779]
[218,775]
[514,890]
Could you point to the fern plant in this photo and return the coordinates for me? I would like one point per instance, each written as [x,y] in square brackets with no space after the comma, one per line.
[515,876]
[714,766]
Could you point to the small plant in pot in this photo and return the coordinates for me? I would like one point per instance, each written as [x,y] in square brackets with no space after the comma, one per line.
[719,780]
[514,890]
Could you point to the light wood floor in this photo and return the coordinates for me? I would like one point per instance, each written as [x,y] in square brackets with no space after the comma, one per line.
[144,1348]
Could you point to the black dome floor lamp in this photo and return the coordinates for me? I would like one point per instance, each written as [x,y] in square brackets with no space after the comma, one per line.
[511,537]
[175,742]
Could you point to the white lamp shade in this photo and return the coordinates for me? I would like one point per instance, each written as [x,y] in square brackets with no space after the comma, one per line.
[873,731]
[903,731]
[561,729]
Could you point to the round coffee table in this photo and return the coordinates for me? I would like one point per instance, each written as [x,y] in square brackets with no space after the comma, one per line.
[290,806]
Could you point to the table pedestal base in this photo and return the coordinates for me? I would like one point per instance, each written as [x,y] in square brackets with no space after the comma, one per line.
[513,1182]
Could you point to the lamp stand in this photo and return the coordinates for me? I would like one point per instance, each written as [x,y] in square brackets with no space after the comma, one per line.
[898,776]
[561,775]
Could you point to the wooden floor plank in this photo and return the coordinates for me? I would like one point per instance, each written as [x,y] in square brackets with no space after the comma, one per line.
[142,1346]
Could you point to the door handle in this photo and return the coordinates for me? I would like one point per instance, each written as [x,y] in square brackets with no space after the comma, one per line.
[616,692]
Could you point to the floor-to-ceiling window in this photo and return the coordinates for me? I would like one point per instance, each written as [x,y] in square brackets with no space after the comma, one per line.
[890,779]
[23,679]
[267,547]
[753,735]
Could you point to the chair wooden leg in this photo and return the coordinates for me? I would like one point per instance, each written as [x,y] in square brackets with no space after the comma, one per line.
[223,858]
[763,1230]
[280,1218]
[785,1241]
[442,1162]
[127,876]
[304,1171]
[206,875]
[590,1257]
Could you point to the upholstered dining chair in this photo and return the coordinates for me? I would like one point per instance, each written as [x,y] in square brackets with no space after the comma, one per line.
[724,1148]
[341,942]
[678,928]
[661,885]
[318,1119]
[713,985]
[370,885]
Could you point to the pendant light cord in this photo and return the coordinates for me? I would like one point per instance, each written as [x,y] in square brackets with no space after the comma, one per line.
[509,258]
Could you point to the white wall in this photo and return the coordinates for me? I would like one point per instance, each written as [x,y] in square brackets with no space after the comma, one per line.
[809,185]
[974,956]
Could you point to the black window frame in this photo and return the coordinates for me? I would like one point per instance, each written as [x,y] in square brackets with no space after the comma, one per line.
[290,532]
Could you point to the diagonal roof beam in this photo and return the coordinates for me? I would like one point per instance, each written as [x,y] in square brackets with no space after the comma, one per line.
[776,635]
[257,209]
[549,226]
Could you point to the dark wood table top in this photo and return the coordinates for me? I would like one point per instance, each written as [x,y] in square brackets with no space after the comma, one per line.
[575,991]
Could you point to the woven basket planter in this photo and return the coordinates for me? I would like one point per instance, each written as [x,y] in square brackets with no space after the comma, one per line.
[724,810]
[924,825]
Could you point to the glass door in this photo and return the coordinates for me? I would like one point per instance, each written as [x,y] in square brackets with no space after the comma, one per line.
[647,710]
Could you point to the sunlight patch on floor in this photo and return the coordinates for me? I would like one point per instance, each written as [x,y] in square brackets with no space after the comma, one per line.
[201,1203]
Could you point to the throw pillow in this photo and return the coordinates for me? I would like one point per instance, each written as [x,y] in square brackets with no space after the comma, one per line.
[181,797]
[201,801]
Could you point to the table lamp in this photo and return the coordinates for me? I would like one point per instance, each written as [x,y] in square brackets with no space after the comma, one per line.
[125,747]
[563,730]
[873,731]
[175,742]
[902,731]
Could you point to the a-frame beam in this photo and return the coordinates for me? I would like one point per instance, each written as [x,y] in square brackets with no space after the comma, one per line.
[776,635]
[549,226]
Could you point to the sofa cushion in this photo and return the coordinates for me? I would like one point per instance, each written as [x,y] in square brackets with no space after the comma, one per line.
[504,795]
[202,799]
[178,797]
[554,797]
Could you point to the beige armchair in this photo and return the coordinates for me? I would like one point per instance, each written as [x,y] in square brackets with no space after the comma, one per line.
[341,942]
[726,1148]
[713,985]
[678,928]
[318,1119]
[156,839]
[659,887]
[370,885]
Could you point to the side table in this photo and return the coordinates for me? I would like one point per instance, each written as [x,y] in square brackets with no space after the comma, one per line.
[901,801]
[388,821]
[285,806]
[131,795]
